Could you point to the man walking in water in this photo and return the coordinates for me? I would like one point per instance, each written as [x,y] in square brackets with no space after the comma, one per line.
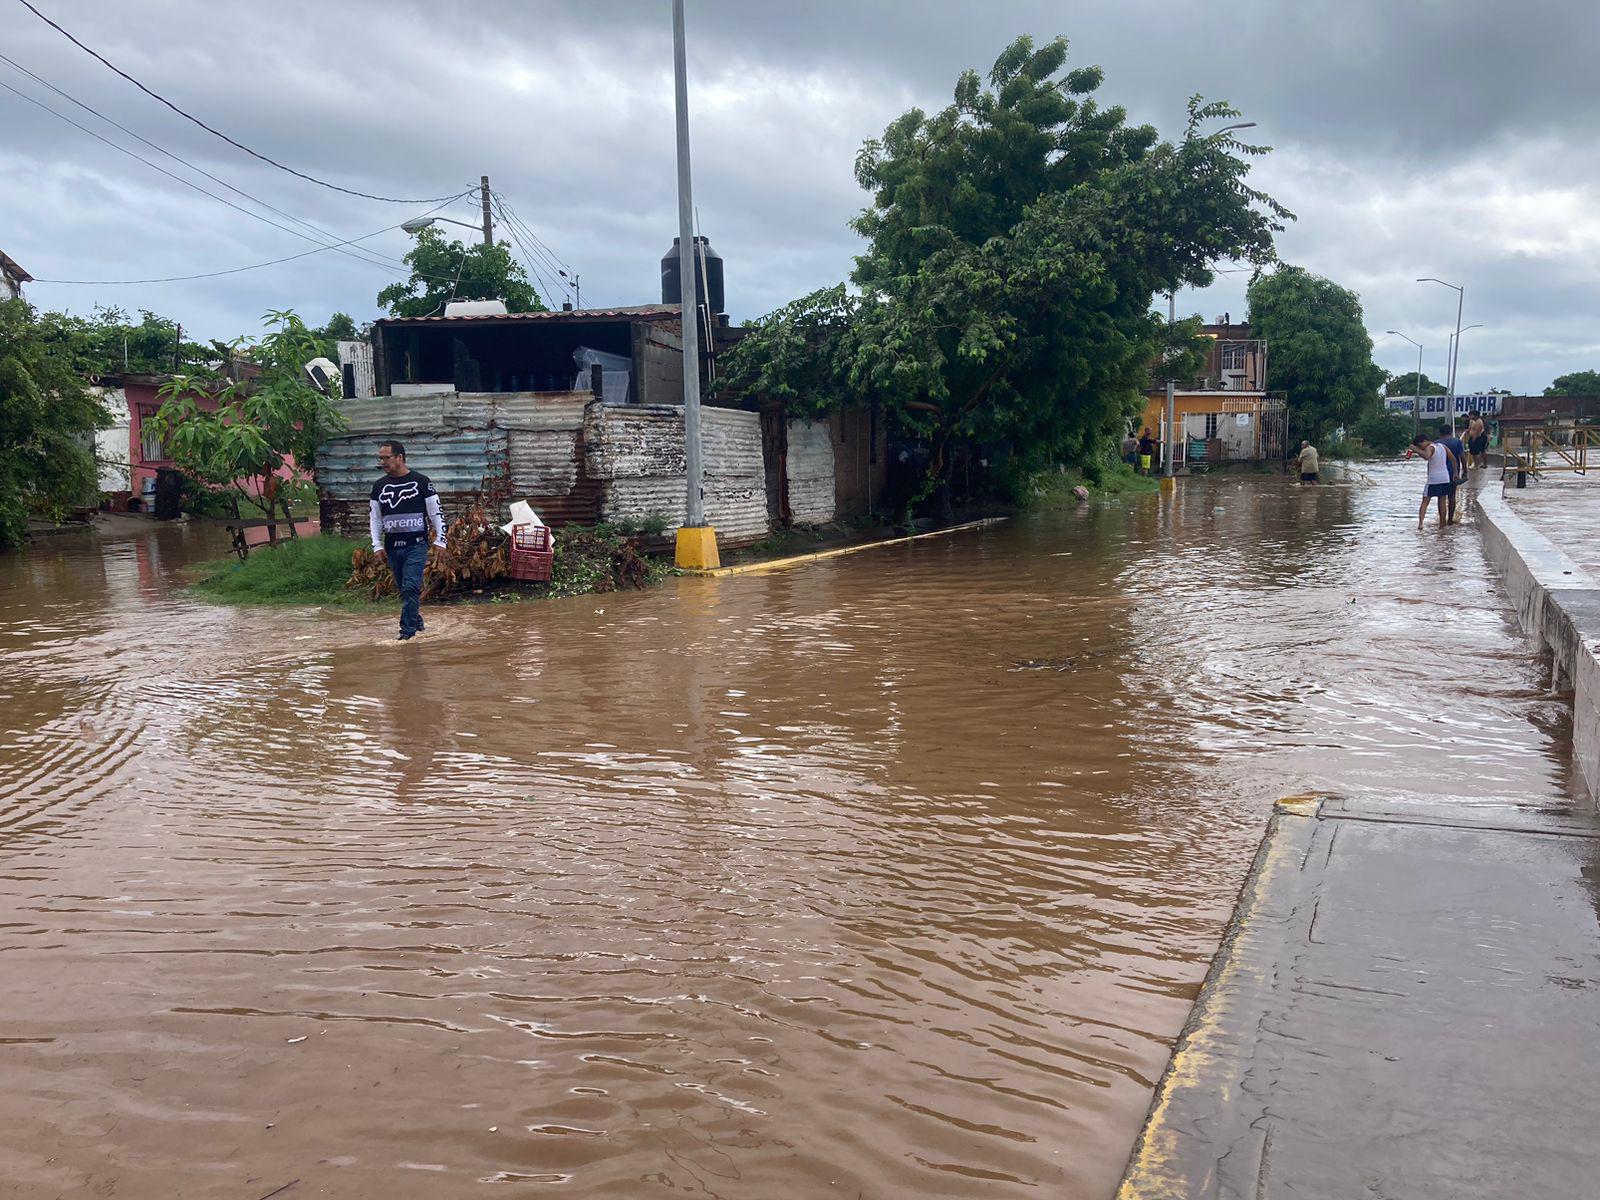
[402,504]
[1441,470]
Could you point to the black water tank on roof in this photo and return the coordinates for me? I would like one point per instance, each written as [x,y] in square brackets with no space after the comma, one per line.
[672,288]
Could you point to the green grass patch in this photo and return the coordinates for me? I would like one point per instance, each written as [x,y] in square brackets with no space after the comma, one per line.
[308,570]
[1053,489]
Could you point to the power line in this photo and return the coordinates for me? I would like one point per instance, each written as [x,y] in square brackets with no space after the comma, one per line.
[556,260]
[218,133]
[190,183]
[398,267]
[532,263]
[325,234]
[230,271]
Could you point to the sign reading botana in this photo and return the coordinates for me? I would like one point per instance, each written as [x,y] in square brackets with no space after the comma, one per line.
[1488,405]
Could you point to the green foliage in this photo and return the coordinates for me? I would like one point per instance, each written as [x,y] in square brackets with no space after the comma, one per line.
[309,570]
[109,343]
[341,327]
[1382,434]
[1016,239]
[1406,385]
[442,271]
[1320,352]
[258,425]
[1577,383]
[47,422]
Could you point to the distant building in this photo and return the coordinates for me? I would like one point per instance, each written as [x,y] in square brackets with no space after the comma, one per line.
[1225,415]
[12,277]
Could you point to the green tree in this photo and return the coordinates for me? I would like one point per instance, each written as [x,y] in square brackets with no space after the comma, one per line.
[108,342]
[47,422]
[1318,349]
[1016,239]
[1577,383]
[442,271]
[1406,385]
[244,446]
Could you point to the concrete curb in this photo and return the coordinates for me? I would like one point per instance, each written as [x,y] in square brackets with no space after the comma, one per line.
[797,560]
[1206,1069]
[1558,602]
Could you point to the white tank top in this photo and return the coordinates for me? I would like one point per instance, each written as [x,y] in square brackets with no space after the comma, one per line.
[1439,464]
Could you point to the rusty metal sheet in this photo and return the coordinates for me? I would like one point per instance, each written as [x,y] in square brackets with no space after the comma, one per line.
[455,462]
[810,471]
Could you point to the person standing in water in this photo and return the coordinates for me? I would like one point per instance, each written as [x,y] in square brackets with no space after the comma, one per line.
[1478,440]
[403,502]
[1441,470]
[1147,450]
[1447,438]
[1308,463]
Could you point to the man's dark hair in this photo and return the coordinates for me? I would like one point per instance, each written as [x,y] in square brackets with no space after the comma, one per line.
[1445,430]
[1419,439]
[395,448]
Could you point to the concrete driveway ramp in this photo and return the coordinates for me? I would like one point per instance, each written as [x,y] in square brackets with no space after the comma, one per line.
[1406,1006]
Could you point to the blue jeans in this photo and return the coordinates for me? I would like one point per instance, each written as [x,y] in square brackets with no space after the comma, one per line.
[407,562]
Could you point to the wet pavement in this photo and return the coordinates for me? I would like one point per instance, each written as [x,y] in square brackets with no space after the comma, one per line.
[1407,1006]
[1566,509]
[891,875]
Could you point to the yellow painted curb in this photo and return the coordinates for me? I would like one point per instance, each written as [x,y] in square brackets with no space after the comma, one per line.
[795,560]
[1205,1059]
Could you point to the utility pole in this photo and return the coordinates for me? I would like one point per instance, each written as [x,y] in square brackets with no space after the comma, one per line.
[1168,443]
[697,541]
[488,223]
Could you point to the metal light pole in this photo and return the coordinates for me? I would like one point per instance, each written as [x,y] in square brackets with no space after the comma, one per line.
[1455,341]
[1461,295]
[697,541]
[1168,445]
[1416,398]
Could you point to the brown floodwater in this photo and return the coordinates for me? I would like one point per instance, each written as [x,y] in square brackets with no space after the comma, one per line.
[890,876]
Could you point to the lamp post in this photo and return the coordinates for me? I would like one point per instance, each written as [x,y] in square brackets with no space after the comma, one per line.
[1461,295]
[1455,341]
[697,541]
[1416,399]
[417,224]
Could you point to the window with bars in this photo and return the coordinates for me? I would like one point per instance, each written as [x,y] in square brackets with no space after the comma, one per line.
[1233,358]
[1211,425]
[151,446]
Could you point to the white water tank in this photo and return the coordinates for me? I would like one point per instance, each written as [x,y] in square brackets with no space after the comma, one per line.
[475,308]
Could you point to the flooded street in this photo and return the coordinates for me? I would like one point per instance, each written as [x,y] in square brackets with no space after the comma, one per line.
[888,876]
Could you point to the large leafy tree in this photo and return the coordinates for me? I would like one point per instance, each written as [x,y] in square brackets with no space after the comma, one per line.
[1318,350]
[47,422]
[442,271]
[1577,383]
[1406,385]
[261,430]
[110,342]
[1015,241]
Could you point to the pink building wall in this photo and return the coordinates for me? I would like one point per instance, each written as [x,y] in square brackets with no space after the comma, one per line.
[143,403]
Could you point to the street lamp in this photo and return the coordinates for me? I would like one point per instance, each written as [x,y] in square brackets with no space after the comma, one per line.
[1416,398]
[418,224]
[1461,295]
[1455,340]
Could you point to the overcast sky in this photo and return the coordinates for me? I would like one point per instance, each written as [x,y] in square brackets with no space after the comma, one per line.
[1411,137]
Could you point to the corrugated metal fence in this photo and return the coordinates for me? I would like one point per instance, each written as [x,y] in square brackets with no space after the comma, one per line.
[573,459]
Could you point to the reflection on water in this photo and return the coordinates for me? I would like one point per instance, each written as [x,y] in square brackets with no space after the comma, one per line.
[890,876]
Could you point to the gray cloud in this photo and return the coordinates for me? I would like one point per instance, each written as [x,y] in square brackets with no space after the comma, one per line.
[1417,138]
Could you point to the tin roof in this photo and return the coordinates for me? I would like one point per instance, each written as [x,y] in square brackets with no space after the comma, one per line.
[14,269]
[638,311]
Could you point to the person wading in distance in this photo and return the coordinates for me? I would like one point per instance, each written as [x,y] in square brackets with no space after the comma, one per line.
[1478,440]
[1442,470]
[1446,438]
[403,503]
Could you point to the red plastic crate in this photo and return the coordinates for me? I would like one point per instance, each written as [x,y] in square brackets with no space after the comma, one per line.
[532,553]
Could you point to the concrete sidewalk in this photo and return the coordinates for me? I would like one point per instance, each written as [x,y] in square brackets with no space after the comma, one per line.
[1406,1006]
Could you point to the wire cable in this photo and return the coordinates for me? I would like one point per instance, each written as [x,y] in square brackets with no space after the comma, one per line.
[531,263]
[325,234]
[217,132]
[231,270]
